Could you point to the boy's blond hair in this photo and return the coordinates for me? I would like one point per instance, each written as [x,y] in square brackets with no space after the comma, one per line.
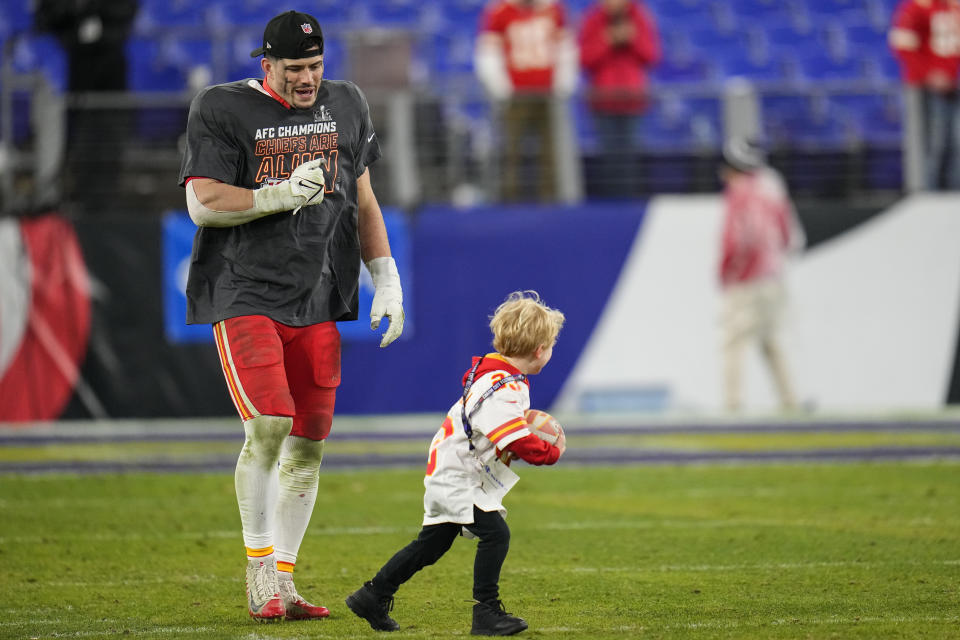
[522,323]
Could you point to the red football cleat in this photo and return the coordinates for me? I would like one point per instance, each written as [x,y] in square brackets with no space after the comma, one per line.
[296,607]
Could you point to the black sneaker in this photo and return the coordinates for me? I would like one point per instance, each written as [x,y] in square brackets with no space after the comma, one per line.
[373,608]
[491,619]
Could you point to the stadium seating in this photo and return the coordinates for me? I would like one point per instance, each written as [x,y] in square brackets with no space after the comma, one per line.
[790,40]
[883,69]
[42,53]
[761,10]
[160,64]
[710,42]
[162,15]
[463,15]
[448,54]
[668,126]
[850,11]
[877,116]
[819,68]
[819,126]
[686,69]
[397,13]
[738,34]
[782,45]
[760,69]
[245,13]
[865,38]
[673,15]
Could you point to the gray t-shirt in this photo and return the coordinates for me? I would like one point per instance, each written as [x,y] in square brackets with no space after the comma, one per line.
[296,269]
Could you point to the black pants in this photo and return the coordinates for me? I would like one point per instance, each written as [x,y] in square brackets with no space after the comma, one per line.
[434,541]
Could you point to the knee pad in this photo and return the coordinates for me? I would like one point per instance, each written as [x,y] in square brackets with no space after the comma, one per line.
[265,436]
[300,462]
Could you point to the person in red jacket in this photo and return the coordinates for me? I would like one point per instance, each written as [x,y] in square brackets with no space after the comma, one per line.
[925,37]
[759,231]
[618,44]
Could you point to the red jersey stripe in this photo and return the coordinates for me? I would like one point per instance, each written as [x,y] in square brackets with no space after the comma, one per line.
[233,381]
[504,430]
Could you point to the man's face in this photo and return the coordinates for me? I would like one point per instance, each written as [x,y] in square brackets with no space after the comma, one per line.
[295,80]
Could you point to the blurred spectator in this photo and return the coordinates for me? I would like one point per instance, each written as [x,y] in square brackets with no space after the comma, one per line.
[618,43]
[525,59]
[925,37]
[759,230]
[94,35]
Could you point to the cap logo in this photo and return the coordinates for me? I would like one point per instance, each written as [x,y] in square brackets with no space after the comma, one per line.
[307,28]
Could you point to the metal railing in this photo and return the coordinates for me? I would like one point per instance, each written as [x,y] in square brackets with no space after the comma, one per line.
[442,142]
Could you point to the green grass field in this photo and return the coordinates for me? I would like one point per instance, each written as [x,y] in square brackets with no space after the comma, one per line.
[712,551]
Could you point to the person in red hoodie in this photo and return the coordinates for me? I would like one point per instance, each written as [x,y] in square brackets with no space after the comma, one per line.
[759,231]
[925,37]
[618,45]
[467,472]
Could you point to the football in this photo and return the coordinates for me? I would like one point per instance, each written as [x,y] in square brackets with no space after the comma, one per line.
[544,426]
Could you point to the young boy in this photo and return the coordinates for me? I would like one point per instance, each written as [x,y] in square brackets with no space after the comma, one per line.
[466,477]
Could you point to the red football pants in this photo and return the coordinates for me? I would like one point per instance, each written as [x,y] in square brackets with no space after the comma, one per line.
[275,370]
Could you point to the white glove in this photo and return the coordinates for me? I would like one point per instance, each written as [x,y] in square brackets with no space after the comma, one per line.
[305,187]
[491,68]
[387,299]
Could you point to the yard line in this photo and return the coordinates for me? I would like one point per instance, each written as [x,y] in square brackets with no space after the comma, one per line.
[626,629]
[24,623]
[676,524]
[192,535]
[130,632]
[715,523]
[129,582]
[864,619]
[592,525]
[766,566]
[663,568]
[732,624]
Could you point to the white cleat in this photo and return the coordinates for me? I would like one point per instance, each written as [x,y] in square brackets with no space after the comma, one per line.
[263,590]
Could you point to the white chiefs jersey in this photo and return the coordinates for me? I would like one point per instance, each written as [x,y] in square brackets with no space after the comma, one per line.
[455,479]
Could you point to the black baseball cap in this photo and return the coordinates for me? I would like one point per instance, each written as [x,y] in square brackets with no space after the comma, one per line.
[290,35]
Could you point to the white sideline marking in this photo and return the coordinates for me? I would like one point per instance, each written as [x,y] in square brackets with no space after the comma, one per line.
[812,621]
[127,632]
[23,623]
[550,526]
[253,635]
[141,581]
[667,568]
[699,524]
[664,568]
[709,624]
[192,535]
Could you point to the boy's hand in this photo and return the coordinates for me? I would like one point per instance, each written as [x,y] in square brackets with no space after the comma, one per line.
[506,457]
